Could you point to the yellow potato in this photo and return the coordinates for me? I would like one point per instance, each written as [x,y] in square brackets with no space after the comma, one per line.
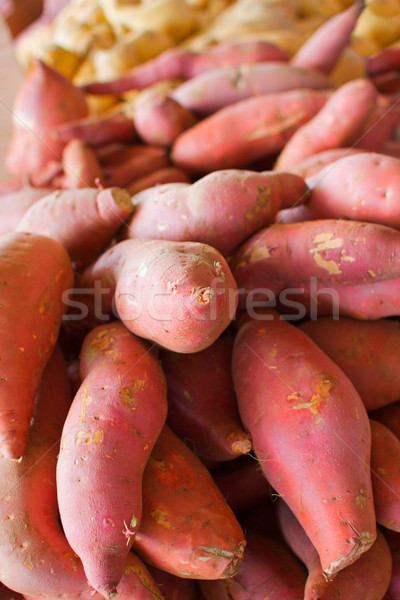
[379,29]
[326,8]
[350,65]
[364,46]
[62,60]
[32,44]
[384,8]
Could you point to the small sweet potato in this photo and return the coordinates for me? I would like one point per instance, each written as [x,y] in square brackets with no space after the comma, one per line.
[339,123]
[83,221]
[81,166]
[221,209]
[180,295]
[306,420]
[368,577]
[35,271]
[194,400]
[367,351]
[269,570]
[158,177]
[187,527]
[108,435]
[97,130]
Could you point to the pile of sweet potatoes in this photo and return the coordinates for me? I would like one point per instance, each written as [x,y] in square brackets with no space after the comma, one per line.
[199,307]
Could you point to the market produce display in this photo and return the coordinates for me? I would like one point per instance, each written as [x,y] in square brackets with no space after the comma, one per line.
[200,302]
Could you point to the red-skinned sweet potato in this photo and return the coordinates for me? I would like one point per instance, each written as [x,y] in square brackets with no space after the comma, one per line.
[35,556]
[13,206]
[367,351]
[172,587]
[306,420]
[333,252]
[108,435]
[187,527]
[123,164]
[380,125]
[97,130]
[316,162]
[34,271]
[45,100]
[221,209]
[388,416]
[194,401]
[217,88]
[393,539]
[383,61]
[246,131]
[367,578]
[178,63]
[269,570]
[81,166]
[324,47]
[385,472]
[339,123]
[158,177]
[180,295]
[362,187]
[83,221]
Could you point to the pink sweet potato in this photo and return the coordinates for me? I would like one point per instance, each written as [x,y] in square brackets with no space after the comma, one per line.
[172,587]
[221,209]
[35,557]
[13,206]
[385,472]
[123,164]
[362,187]
[178,63]
[34,272]
[383,61]
[246,131]
[194,401]
[306,420]
[269,570]
[187,527]
[83,221]
[96,130]
[217,88]
[367,578]
[330,251]
[45,100]
[324,47]
[159,119]
[339,123]
[180,295]
[81,166]
[367,351]
[311,165]
[158,177]
[113,423]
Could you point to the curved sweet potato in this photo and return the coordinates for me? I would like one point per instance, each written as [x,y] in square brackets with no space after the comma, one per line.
[269,570]
[81,166]
[180,295]
[368,577]
[193,401]
[187,527]
[307,420]
[35,557]
[84,221]
[339,123]
[221,209]
[34,271]
[367,351]
[113,423]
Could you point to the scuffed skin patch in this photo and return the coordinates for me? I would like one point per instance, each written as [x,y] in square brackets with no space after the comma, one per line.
[160,518]
[362,498]
[325,241]
[322,388]
[260,253]
[128,394]
[83,437]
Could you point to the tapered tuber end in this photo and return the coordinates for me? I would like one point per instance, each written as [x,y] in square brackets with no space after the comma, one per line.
[114,205]
[13,441]
[234,565]
[242,446]
[362,543]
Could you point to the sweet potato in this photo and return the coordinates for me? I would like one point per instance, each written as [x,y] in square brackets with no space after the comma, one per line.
[221,209]
[389,416]
[136,584]
[35,556]
[13,206]
[393,539]
[83,221]
[194,400]
[269,570]
[380,125]
[126,163]
[159,119]
[324,47]
[35,271]
[113,423]
[242,483]
[97,130]
[306,419]
[339,123]
[178,63]
[367,351]
[172,587]
[311,165]
[386,60]
[158,177]
[45,100]
[180,295]
[330,251]
[7,594]
[248,130]
[361,187]
[217,88]
[385,473]
[367,578]
[81,166]
[187,527]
